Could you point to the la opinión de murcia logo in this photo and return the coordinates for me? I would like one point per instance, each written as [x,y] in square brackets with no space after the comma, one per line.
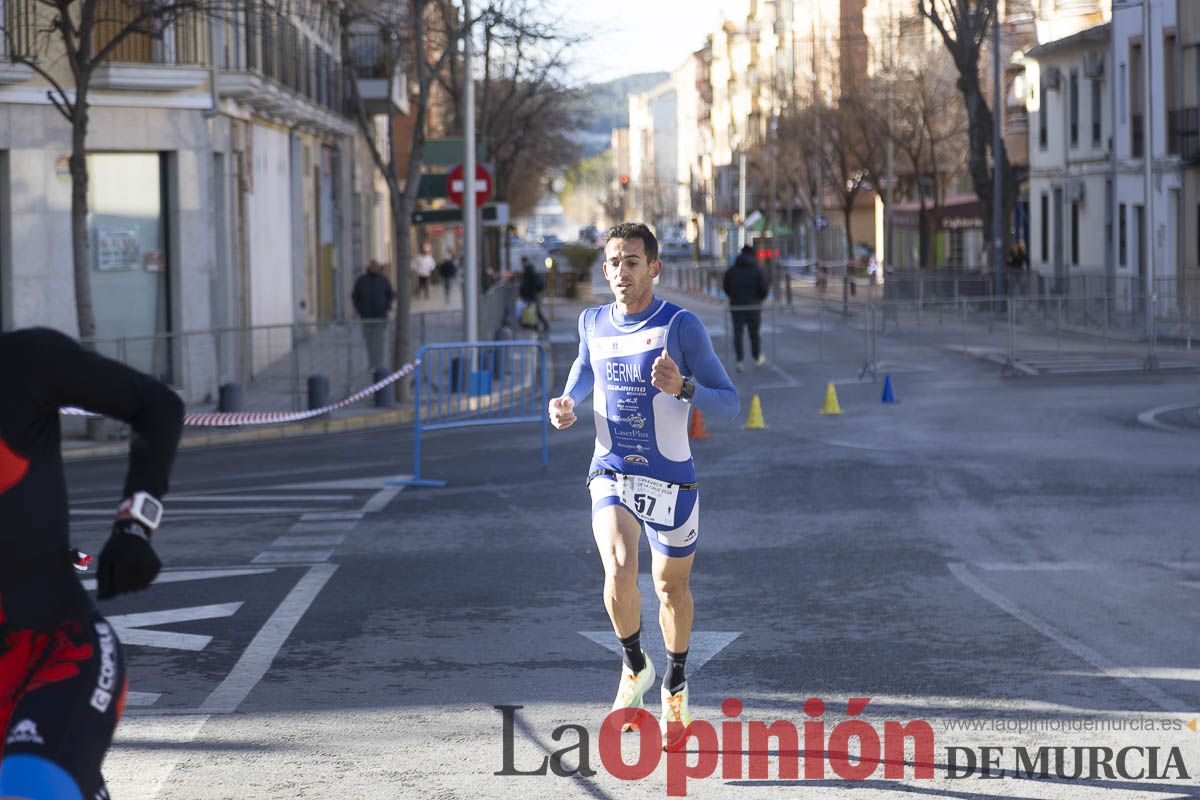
[739,750]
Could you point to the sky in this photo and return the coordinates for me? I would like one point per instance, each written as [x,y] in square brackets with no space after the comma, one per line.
[633,36]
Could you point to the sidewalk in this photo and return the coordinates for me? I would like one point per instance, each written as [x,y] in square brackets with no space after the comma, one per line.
[434,319]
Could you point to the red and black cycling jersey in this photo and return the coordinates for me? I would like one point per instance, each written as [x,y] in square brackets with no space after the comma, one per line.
[42,371]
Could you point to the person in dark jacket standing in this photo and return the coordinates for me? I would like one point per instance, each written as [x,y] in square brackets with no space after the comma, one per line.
[62,671]
[372,298]
[531,288]
[746,285]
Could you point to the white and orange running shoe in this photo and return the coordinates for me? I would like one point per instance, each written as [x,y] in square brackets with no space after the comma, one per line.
[631,693]
[674,709]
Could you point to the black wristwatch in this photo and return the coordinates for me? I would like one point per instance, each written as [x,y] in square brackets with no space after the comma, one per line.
[686,392]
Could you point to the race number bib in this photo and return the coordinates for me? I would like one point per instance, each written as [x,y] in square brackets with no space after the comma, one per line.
[651,500]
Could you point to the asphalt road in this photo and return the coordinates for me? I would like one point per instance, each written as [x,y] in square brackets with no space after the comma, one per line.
[1017,554]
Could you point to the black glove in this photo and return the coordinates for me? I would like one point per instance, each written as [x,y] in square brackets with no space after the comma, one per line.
[127,563]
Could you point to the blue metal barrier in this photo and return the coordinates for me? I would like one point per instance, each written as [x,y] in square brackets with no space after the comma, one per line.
[460,384]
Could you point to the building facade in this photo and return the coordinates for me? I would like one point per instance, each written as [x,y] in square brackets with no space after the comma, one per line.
[228,189]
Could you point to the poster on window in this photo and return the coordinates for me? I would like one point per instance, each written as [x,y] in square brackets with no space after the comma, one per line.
[117,248]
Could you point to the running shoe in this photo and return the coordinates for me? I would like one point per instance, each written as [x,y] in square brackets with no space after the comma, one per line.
[740,367]
[631,693]
[674,709]
[762,359]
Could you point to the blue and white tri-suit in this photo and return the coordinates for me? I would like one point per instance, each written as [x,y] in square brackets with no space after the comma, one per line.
[639,429]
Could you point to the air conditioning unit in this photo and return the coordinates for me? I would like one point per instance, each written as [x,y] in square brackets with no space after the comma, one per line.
[1076,191]
[1093,64]
[1050,77]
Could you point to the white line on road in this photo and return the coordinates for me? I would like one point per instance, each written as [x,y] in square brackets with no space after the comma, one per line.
[321,527]
[176,499]
[191,575]
[1107,667]
[1150,418]
[380,499]
[322,516]
[257,658]
[196,513]
[308,541]
[292,556]
[1041,566]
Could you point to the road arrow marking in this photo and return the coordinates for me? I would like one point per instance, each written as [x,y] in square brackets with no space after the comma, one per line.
[130,627]
[703,646]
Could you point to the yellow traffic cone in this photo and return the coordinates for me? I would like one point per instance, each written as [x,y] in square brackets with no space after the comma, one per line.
[831,401]
[755,422]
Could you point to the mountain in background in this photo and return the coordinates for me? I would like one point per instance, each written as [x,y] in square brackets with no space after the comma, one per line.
[604,106]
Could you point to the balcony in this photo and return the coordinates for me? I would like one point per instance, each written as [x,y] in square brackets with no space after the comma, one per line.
[173,61]
[1183,134]
[371,63]
[18,39]
[268,63]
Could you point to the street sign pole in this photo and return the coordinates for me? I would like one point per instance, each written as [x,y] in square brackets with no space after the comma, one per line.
[470,218]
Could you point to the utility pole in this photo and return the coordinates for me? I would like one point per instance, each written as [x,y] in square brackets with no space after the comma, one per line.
[888,255]
[741,195]
[470,212]
[997,145]
[1148,237]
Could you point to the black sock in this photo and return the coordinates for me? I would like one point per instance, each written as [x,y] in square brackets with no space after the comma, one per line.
[674,679]
[631,651]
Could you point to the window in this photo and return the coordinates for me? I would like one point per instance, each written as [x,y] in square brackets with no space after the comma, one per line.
[1045,227]
[1122,237]
[127,201]
[1169,88]
[1042,113]
[1074,107]
[1135,99]
[1097,99]
[1075,234]
[1121,85]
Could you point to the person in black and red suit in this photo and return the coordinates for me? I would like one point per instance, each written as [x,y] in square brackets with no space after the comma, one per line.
[62,674]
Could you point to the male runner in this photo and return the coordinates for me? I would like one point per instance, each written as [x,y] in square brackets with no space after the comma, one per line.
[649,361]
[62,674]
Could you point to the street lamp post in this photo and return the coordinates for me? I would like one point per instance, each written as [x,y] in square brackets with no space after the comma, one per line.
[997,145]
[470,216]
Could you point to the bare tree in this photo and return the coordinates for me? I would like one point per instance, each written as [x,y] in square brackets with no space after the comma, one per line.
[403,27]
[964,26]
[930,132]
[86,34]
[524,108]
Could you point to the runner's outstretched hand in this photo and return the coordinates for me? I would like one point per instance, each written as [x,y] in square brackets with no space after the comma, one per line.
[562,412]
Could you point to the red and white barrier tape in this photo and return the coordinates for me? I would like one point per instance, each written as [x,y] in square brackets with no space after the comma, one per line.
[219,419]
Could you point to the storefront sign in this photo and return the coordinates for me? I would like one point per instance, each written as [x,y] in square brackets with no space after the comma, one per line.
[117,248]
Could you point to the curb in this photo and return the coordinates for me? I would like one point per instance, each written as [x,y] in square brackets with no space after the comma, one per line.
[289,431]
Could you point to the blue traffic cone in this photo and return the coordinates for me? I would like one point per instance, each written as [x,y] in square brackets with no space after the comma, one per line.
[889,394]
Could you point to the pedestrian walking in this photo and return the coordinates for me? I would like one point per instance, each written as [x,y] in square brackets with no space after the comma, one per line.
[62,671]
[372,297]
[446,271]
[648,362]
[423,266]
[746,287]
[530,292]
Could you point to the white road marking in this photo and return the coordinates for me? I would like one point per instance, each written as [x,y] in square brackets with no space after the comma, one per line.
[193,499]
[257,658]
[321,516]
[321,527]
[1040,566]
[1143,673]
[194,513]
[379,482]
[380,499]
[1078,648]
[292,556]
[141,699]
[308,541]
[1150,418]
[703,646]
[168,738]
[179,576]
[130,627]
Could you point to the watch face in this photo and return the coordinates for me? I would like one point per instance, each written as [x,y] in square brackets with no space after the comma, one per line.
[151,511]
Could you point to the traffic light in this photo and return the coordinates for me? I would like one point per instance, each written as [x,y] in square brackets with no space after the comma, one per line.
[624,181]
